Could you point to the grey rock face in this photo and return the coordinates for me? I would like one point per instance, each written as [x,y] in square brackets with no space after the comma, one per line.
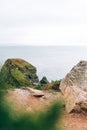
[74,87]
[77,76]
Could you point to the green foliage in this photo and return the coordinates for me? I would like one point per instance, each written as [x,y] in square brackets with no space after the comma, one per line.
[46,120]
[56,81]
[48,85]
[15,79]
[17,73]
[20,77]
[3,84]
[40,86]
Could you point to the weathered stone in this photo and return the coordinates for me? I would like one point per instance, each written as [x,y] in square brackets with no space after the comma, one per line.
[34,92]
[74,86]
[18,72]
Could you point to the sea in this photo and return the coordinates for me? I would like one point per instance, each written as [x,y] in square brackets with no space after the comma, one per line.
[54,62]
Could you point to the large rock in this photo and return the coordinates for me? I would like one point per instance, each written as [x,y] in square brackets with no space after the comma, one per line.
[74,87]
[44,81]
[17,72]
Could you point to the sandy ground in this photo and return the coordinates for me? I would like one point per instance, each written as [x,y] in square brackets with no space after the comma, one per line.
[22,100]
[74,121]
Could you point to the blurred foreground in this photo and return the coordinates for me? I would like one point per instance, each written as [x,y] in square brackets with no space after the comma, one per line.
[42,120]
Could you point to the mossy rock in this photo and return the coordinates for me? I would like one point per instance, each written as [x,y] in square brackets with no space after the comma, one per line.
[18,72]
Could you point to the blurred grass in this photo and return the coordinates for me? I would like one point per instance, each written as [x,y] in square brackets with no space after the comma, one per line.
[45,120]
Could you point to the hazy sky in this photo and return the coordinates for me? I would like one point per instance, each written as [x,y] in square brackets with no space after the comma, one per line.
[43,22]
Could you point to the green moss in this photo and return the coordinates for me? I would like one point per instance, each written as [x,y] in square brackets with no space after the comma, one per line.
[3,83]
[17,72]
[20,77]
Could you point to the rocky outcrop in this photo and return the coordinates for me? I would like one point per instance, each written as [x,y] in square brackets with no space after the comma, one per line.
[74,87]
[44,81]
[18,72]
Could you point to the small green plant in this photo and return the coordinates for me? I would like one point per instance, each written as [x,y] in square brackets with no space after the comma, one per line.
[56,81]
[40,86]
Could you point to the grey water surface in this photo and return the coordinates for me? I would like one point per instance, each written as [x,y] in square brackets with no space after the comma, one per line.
[54,62]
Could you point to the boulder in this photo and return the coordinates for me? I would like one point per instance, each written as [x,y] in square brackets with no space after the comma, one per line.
[74,87]
[18,72]
[34,92]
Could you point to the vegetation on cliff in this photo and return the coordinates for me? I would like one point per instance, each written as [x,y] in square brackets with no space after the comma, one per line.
[18,72]
[53,85]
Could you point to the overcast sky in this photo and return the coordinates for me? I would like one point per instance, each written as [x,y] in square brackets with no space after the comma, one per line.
[50,22]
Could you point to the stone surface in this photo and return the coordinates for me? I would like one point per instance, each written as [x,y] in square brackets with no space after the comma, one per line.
[27,99]
[74,87]
[34,92]
[18,72]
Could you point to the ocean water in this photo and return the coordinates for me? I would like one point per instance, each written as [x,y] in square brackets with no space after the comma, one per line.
[54,62]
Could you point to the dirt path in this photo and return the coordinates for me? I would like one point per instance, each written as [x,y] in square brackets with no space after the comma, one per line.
[75,122]
[23,100]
